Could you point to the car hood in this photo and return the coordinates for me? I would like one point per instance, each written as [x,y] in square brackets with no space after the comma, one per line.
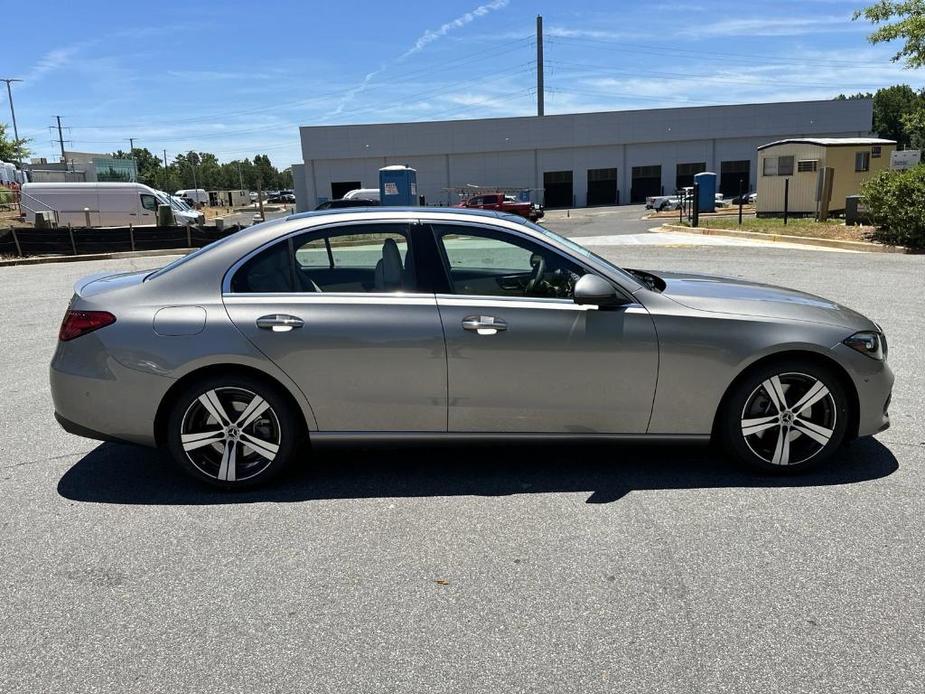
[729,295]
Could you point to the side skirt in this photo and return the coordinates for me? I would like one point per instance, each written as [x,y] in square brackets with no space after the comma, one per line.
[352,438]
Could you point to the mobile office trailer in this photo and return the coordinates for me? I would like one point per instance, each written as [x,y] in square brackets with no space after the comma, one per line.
[197,195]
[853,161]
[229,198]
[99,204]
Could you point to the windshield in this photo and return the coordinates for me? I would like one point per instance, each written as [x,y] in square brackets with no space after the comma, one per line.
[579,249]
[179,204]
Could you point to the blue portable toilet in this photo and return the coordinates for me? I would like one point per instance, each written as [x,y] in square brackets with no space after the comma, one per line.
[706,200]
[398,186]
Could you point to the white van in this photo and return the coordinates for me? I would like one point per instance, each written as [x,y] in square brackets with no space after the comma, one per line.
[106,204]
[363,194]
[197,195]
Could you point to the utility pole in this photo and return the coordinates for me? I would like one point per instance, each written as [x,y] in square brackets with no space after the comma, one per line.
[165,160]
[9,93]
[540,94]
[131,155]
[61,141]
[240,177]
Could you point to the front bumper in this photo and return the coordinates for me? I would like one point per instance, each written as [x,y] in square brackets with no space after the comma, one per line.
[873,381]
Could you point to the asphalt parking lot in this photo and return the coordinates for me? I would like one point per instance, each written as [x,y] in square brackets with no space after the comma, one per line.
[490,569]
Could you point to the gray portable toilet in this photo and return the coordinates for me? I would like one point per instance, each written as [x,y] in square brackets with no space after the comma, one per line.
[706,184]
[398,186]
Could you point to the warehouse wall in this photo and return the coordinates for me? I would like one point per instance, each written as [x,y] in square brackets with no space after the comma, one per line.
[514,152]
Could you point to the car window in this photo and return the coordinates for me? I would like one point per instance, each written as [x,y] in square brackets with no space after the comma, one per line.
[354,259]
[486,262]
[149,202]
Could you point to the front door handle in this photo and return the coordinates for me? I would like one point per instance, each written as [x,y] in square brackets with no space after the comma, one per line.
[279,323]
[484,325]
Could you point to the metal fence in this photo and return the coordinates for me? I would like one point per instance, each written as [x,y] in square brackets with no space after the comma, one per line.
[84,241]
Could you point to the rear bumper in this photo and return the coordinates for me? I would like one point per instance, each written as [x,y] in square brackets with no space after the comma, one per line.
[97,397]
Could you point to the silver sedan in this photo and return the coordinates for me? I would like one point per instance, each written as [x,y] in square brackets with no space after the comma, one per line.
[402,324]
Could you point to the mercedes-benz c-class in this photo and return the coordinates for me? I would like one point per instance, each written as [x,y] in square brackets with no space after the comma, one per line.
[409,324]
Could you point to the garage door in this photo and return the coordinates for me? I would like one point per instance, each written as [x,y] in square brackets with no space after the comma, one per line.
[685,174]
[646,181]
[730,174]
[602,187]
[340,188]
[558,185]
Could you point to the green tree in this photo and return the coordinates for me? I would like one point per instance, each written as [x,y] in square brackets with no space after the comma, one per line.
[894,201]
[903,20]
[12,150]
[891,106]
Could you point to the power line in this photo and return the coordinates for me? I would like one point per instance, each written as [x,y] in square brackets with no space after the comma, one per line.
[622,46]
[519,44]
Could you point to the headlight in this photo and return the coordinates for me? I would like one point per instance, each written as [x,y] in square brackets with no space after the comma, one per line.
[870,344]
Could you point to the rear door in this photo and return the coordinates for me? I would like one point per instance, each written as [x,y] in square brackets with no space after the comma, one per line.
[340,309]
[522,356]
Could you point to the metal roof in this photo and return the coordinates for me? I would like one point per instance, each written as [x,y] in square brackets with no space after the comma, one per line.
[831,142]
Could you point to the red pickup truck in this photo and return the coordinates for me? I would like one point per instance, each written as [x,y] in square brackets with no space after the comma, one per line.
[503,203]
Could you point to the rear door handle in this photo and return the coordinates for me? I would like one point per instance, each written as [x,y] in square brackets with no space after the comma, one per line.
[279,322]
[484,325]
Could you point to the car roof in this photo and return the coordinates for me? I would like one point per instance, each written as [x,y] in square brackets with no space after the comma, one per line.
[428,211]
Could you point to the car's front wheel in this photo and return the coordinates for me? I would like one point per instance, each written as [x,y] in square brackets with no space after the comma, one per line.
[232,432]
[785,417]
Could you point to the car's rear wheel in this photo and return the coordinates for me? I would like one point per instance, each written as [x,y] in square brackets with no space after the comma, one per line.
[232,432]
[785,417]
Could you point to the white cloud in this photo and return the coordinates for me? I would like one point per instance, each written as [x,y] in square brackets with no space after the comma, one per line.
[767,26]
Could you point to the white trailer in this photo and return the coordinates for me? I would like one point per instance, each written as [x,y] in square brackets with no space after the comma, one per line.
[99,204]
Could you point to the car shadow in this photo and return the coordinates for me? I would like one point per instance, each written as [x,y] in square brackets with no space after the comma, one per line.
[123,474]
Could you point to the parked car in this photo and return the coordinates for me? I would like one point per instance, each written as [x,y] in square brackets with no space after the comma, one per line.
[660,203]
[746,198]
[363,193]
[346,202]
[104,204]
[500,202]
[406,324]
[281,199]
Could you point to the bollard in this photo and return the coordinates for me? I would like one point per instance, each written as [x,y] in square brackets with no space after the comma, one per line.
[70,233]
[87,217]
[131,236]
[189,237]
[786,199]
[16,241]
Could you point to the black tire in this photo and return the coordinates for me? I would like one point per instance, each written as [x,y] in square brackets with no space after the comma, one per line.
[260,449]
[750,425]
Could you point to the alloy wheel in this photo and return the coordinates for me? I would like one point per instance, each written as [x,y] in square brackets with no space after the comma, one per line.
[230,434]
[788,419]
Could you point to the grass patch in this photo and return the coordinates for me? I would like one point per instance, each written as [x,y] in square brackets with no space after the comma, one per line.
[832,229]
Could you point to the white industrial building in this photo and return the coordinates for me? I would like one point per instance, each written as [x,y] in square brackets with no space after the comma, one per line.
[571,160]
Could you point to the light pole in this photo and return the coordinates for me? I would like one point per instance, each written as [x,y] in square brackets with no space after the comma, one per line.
[9,93]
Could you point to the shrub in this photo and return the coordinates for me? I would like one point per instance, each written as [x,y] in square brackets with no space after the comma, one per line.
[895,201]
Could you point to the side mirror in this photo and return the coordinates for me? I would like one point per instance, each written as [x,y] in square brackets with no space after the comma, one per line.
[596,291]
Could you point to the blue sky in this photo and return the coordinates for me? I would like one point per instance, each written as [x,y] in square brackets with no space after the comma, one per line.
[238,78]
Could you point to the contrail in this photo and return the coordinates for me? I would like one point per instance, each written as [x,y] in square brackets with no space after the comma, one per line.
[424,40]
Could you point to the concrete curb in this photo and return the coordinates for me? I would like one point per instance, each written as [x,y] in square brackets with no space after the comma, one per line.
[861,246]
[43,259]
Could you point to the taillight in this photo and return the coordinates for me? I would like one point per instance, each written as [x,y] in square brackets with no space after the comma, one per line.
[77,323]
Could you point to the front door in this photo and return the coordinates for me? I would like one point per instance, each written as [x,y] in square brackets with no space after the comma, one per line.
[523,357]
[339,310]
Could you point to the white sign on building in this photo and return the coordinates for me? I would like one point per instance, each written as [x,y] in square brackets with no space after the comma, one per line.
[905,159]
